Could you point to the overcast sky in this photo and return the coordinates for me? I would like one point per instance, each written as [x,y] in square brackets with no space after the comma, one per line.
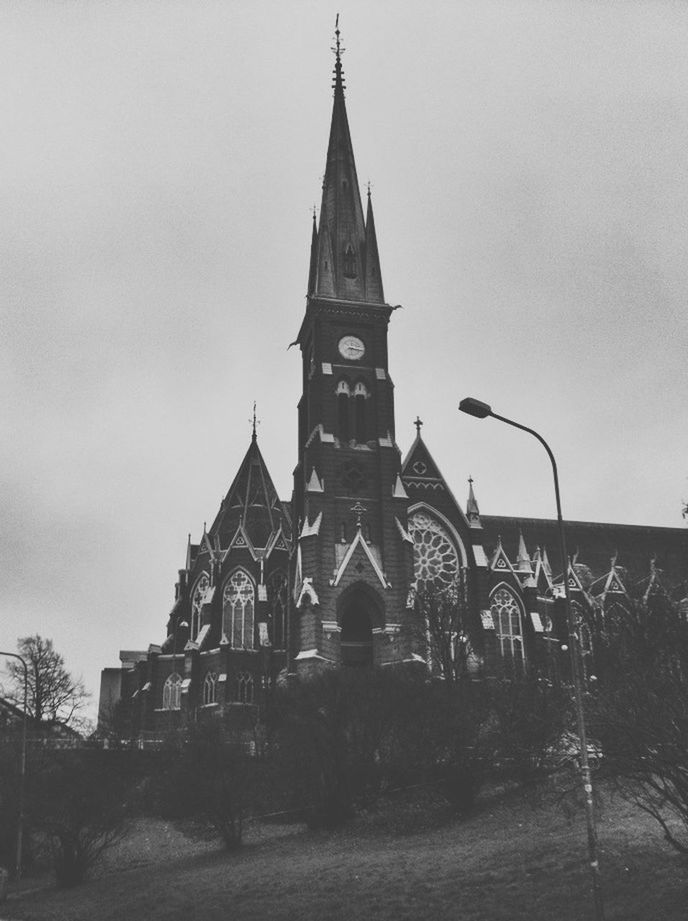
[528,163]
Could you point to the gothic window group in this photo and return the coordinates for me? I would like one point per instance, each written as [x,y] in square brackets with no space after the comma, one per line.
[238,610]
[197,604]
[172,692]
[435,560]
[508,622]
[352,412]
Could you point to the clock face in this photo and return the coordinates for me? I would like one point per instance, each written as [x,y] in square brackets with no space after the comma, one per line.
[351,347]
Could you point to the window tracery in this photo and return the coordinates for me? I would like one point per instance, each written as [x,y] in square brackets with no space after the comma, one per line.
[172,692]
[197,604]
[435,560]
[238,608]
[245,688]
[506,614]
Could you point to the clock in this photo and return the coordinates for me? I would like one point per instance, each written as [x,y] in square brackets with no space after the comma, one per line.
[351,347]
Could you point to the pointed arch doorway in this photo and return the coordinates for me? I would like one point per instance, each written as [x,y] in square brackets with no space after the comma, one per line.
[356,637]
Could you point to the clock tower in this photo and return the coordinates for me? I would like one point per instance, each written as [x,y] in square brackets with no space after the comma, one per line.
[353,557]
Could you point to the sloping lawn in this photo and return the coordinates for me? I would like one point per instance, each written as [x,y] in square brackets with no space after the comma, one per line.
[513,859]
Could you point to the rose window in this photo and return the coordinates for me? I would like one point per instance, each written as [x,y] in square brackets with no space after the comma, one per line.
[435,560]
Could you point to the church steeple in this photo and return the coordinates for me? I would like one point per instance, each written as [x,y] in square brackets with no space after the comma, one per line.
[346,257]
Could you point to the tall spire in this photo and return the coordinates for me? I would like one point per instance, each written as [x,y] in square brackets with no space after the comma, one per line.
[346,257]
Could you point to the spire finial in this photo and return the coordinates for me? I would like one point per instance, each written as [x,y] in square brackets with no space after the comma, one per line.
[470,480]
[368,189]
[338,51]
[254,422]
[418,422]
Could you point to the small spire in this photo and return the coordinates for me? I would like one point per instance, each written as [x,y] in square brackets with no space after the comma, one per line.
[545,562]
[418,423]
[614,559]
[472,510]
[313,266]
[522,560]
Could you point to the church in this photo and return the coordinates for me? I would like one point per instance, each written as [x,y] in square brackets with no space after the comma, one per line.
[332,576]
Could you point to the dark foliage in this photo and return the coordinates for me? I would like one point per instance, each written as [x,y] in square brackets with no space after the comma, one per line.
[209,781]
[79,800]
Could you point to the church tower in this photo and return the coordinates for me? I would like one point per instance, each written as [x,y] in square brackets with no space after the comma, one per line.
[353,557]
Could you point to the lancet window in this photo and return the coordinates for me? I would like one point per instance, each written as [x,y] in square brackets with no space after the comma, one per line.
[360,428]
[210,688]
[435,560]
[238,610]
[343,428]
[349,261]
[506,614]
[277,599]
[245,688]
[197,603]
[172,692]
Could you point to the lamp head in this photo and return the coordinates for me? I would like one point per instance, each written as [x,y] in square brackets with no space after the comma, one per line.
[475,407]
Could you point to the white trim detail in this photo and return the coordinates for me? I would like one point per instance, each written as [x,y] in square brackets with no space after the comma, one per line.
[307,590]
[403,532]
[359,541]
[479,556]
[399,491]
[311,530]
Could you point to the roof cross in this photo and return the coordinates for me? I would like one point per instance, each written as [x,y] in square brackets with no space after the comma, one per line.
[418,422]
[358,509]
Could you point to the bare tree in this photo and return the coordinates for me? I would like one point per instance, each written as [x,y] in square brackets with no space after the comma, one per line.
[53,695]
[446,622]
[640,710]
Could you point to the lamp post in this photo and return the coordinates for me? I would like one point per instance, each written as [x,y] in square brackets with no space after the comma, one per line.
[22,768]
[481,410]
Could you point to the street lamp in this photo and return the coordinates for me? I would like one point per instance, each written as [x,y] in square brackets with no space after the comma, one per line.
[481,410]
[22,769]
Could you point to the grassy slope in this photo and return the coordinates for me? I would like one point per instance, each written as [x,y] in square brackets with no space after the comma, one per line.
[511,860]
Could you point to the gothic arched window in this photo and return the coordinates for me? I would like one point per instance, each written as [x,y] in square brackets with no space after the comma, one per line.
[245,688]
[360,396]
[435,560]
[210,688]
[506,614]
[349,261]
[343,393]
[238,606]
[197,603]
[277,599]
[172,692]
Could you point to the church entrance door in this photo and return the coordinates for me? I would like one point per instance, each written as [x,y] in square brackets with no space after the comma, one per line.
[357,633]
